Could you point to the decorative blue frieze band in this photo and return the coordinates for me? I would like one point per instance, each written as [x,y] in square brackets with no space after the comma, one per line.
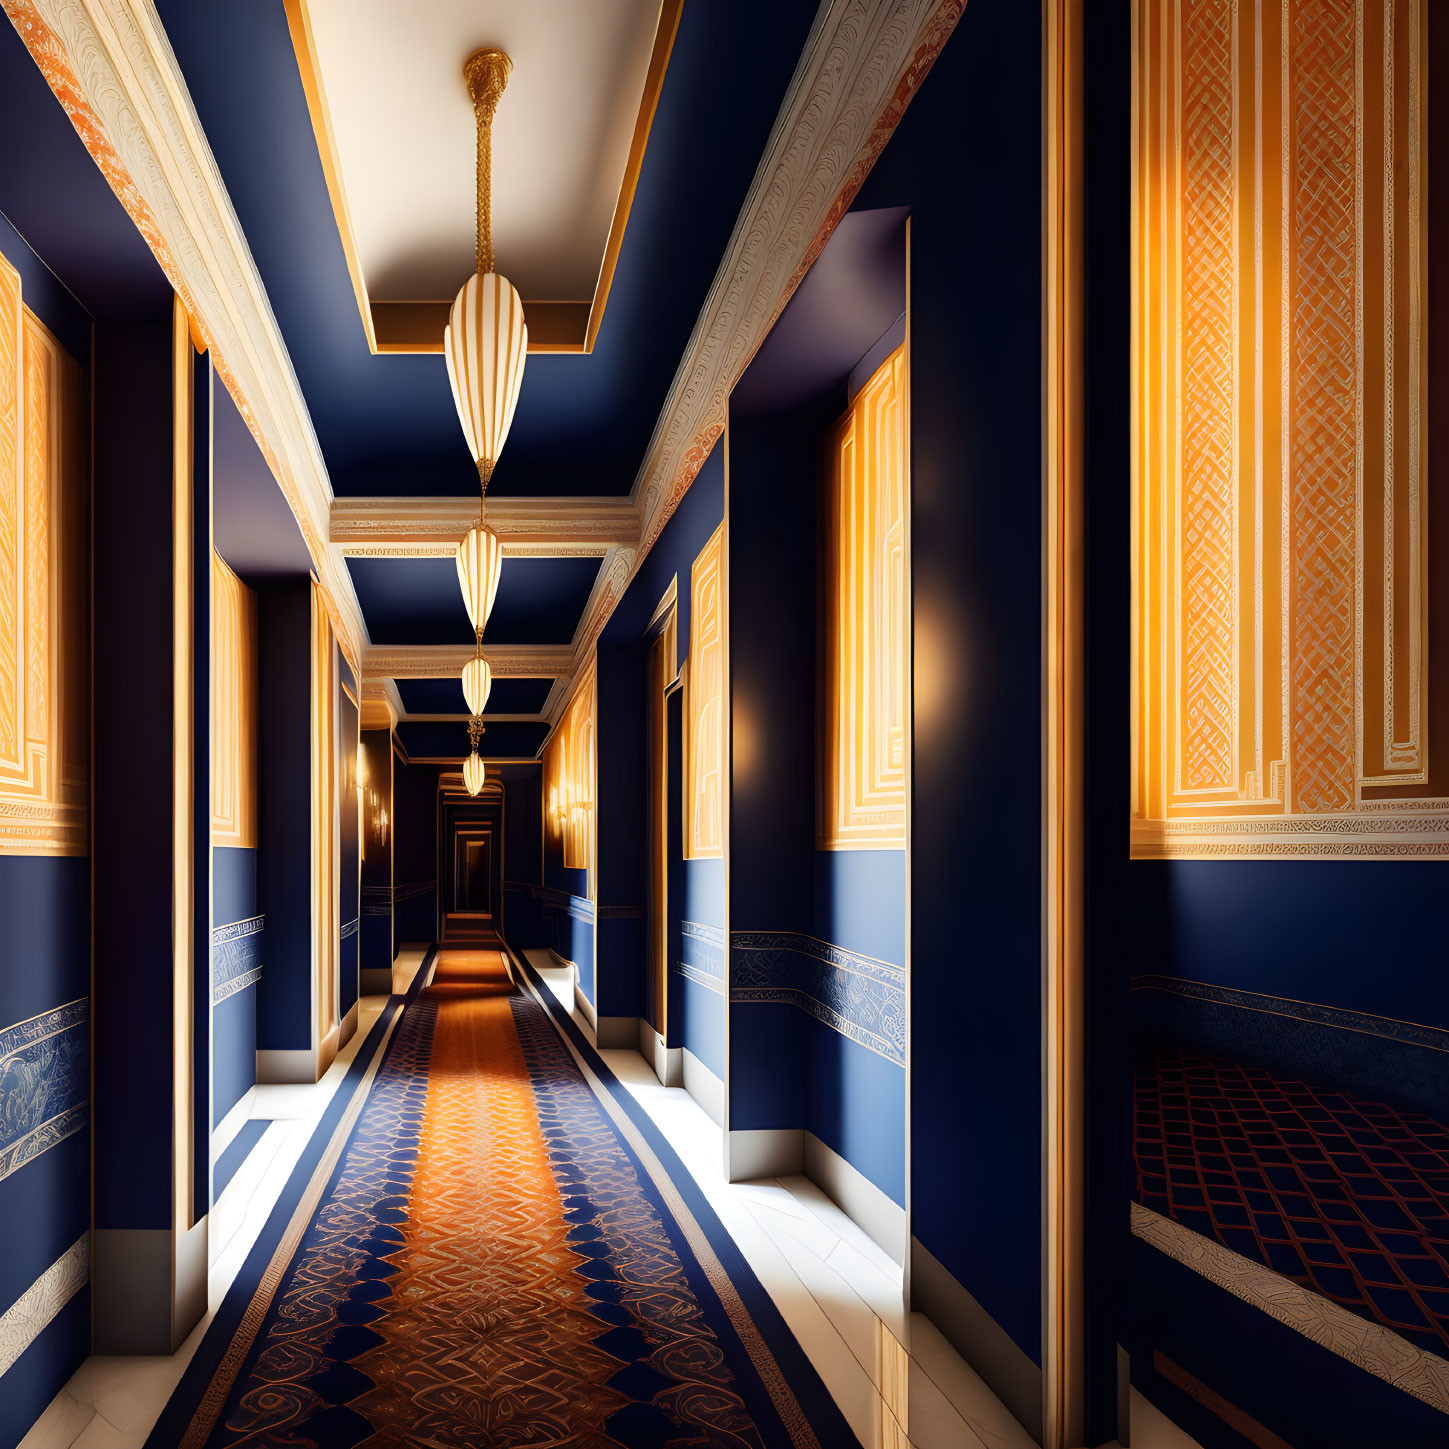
[701,951]
[236,957]
[28,1317]
[859,997]
[553,899]
[377,900]
[350,928]
[44,1083]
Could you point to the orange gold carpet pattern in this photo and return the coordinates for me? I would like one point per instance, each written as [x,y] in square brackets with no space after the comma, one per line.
[488,1265]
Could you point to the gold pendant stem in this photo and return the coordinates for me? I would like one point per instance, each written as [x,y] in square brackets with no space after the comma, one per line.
[486,72]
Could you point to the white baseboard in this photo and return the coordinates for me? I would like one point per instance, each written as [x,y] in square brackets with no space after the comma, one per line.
[857,1196]
[302,1065]
[376,981]
[977,1337]
[703,1086]
[582,1005]
[616,1033]
[224,1133]
[668,1062]
[765,1152]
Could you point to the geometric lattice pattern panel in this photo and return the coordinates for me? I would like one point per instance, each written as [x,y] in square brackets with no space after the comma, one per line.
[42,586]
[705,702]
[233,709]
[862,798]
[1345,1196]
[1280,594]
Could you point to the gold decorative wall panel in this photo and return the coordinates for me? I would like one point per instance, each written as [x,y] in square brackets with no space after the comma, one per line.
[326,819]
[569,775]
[705,704]
[43,424]
[1280,491]
[233,709]
[862,795]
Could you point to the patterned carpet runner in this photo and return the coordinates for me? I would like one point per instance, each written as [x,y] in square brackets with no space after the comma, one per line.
[490,1261]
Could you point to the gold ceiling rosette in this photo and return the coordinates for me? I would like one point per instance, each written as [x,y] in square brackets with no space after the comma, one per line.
[485,344]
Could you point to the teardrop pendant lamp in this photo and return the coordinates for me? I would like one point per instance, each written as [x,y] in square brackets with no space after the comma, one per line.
[486,340]
[473,773]
[480,565]
[477,682]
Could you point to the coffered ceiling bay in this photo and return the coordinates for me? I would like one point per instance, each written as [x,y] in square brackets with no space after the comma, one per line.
[416,600]
[386,422]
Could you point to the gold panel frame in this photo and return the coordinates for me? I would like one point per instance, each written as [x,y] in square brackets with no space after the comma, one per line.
[43,426]
[862,789]
[704,745]
[553,326]
[326,832]
[1280,592]
[233,709]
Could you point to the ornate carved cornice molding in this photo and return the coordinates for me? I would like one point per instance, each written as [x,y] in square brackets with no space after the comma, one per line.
[528,527]
[112,68]
[445,661]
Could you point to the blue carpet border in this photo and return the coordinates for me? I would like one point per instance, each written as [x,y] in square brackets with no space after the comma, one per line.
[181,1408]
[814,1398]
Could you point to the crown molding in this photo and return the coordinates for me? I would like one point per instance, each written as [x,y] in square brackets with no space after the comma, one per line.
[527,527]
[112,69]
[862,63]
[446,661]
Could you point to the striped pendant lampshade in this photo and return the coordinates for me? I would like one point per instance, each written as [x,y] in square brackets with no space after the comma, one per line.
[485,343]
[477,681]
[480,565]
[473,773]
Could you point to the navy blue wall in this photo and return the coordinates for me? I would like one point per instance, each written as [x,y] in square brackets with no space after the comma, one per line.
[234,1016]
[284,868]
[45,973]
[803,921]
[522,853]
[415,853]
[966,160]
[696,995]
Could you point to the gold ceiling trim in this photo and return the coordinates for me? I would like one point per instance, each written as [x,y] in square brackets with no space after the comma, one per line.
[391,326]
[446,661]
[378,527]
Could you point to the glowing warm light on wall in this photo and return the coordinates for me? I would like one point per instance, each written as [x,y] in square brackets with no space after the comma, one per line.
[705,710]
[862,796]
[569,767]
[326,819]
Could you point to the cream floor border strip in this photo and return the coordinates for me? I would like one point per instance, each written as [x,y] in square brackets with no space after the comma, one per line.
[208,1410]
[1374,1348]
[28,1317]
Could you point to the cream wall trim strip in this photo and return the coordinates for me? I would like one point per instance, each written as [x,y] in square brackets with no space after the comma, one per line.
[111,66]
[1374,1348]
[24,1321]
[528,527]
[443,661]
